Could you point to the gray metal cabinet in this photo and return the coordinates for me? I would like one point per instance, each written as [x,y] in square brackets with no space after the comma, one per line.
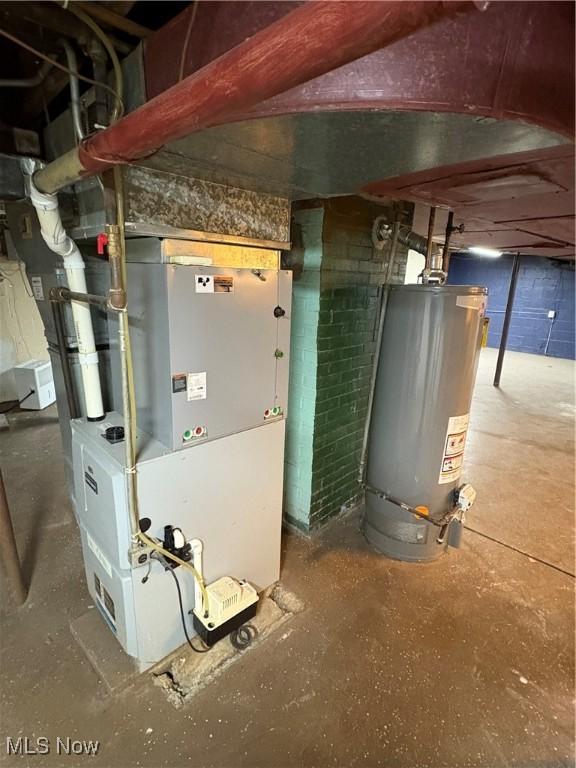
[210,354]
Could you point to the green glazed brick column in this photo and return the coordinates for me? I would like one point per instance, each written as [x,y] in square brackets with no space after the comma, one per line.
[337,297]
[303,363]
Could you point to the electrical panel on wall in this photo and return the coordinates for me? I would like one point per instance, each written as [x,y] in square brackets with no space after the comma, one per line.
[210,348]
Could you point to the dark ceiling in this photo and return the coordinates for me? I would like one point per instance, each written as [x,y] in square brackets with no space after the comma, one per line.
[43,25]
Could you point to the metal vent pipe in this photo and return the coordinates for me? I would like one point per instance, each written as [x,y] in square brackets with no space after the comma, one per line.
[382,230]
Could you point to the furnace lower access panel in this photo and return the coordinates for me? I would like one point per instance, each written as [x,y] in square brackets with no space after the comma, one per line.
[210,347]
[228,493]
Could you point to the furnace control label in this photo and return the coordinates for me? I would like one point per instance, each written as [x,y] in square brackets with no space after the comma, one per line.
[196,386]
[454,444]
[214,284]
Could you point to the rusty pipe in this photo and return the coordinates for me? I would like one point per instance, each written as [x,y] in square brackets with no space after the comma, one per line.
[311,40]
[9,550]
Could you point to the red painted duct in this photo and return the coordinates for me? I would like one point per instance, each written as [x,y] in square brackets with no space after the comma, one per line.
[315,38]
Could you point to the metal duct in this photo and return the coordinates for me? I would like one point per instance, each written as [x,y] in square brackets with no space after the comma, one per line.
[315,38]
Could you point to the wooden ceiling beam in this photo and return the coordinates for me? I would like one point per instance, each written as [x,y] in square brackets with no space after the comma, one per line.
[55,20]
[108,18]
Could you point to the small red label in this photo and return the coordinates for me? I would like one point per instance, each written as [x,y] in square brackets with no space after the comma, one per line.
[101,243]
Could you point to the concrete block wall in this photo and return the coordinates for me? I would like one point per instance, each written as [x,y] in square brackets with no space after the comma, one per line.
[337,299]
[543,285]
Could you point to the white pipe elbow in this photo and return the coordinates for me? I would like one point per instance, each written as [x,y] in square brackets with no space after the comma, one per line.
[59,242]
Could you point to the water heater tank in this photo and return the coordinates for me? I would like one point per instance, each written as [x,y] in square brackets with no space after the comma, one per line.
[426,372]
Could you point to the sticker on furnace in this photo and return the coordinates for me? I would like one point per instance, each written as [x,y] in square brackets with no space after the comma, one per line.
[196,386]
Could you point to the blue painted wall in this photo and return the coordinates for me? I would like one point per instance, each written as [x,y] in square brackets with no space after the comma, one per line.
[542,285]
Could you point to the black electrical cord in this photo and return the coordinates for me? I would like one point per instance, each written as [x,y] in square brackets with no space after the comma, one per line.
[242,637]
[520,551]
[182,616]
[32,391]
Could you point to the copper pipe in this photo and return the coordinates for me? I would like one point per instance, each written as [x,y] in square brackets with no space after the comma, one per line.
[117,293]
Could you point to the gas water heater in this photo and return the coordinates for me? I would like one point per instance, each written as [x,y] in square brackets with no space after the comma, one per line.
[420,417]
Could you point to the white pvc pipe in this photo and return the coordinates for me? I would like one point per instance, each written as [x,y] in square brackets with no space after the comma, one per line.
[59,242]
[197,547]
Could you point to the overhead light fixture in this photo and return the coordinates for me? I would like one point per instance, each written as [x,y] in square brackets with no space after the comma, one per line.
[479,250]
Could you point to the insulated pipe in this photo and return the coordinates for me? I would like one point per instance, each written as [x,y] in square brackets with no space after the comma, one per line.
[60,243]
[311,40]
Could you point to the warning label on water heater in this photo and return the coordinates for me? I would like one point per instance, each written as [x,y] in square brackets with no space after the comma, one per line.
[453,456]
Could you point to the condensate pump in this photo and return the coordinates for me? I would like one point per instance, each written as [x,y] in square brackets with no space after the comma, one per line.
[231,603]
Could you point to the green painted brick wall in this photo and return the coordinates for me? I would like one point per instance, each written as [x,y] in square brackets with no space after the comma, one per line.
[337,297]
[303,364]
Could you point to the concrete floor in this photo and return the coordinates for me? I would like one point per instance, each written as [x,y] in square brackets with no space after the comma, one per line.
[463,662]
